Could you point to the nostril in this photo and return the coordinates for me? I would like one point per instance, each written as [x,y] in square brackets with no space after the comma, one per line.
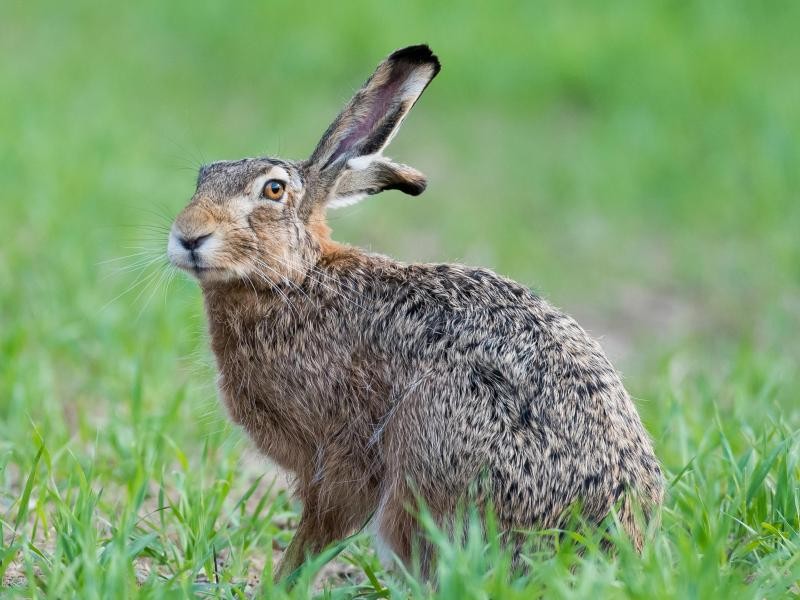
[193,243]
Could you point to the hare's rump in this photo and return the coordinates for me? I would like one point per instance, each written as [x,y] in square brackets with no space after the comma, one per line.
[505,399]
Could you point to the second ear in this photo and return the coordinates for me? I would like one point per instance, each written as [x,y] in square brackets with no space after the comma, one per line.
[366,176]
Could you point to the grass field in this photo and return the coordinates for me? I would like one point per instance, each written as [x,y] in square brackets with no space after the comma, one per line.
[637,164]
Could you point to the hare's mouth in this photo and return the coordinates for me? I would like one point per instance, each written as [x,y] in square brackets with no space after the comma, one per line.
[205,272]
[196,265]
[199,271]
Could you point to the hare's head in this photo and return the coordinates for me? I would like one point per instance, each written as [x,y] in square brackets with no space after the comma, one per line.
[262,219]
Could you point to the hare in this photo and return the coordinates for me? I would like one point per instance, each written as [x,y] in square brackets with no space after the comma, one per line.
[376,383]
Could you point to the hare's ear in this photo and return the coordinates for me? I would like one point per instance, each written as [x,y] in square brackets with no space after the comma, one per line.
[371,174]
[370,120]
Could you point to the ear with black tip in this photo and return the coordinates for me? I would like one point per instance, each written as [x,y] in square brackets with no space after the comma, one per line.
[370,120]
[369,175]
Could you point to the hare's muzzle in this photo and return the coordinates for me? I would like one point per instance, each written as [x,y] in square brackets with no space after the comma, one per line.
[191,246]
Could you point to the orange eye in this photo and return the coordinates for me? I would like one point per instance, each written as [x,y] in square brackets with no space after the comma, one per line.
[273,190]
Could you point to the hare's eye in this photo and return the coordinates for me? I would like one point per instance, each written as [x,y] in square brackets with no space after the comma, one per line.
[273,190]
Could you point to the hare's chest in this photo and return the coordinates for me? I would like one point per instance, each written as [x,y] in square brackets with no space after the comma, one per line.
[275,422]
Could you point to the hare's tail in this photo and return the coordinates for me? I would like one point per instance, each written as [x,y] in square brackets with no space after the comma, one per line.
[631,520]
[638,509]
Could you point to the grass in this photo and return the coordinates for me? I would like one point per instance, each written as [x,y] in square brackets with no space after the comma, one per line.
[637,164]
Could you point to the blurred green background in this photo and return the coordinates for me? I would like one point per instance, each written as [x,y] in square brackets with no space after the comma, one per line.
[636,163]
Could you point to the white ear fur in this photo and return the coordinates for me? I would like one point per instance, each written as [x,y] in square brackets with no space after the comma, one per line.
[343,201]
[360,163]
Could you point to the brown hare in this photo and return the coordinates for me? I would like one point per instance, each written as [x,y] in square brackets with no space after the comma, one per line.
[376,383]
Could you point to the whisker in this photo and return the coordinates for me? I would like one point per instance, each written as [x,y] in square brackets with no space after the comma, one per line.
[119,258]
[153,285]
[142,278]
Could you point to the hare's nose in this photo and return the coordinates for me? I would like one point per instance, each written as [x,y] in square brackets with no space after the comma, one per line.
[193,243]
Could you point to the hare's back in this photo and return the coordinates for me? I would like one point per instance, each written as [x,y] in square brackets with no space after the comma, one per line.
[473,316]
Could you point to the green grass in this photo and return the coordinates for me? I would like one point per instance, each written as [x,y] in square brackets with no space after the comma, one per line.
[638,164]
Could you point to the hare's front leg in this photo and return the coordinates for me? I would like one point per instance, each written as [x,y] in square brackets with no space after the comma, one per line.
[296,552]
[309,539]
[313,535]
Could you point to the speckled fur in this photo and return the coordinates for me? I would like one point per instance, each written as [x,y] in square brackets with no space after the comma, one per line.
[370,380]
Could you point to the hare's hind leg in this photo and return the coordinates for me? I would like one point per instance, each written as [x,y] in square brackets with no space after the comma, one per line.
[394,528]
[398,533]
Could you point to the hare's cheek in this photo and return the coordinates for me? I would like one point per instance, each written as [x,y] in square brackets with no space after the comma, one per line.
[270,231]
[264,217]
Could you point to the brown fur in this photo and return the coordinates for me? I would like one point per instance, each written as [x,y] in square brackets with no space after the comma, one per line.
[373,381]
